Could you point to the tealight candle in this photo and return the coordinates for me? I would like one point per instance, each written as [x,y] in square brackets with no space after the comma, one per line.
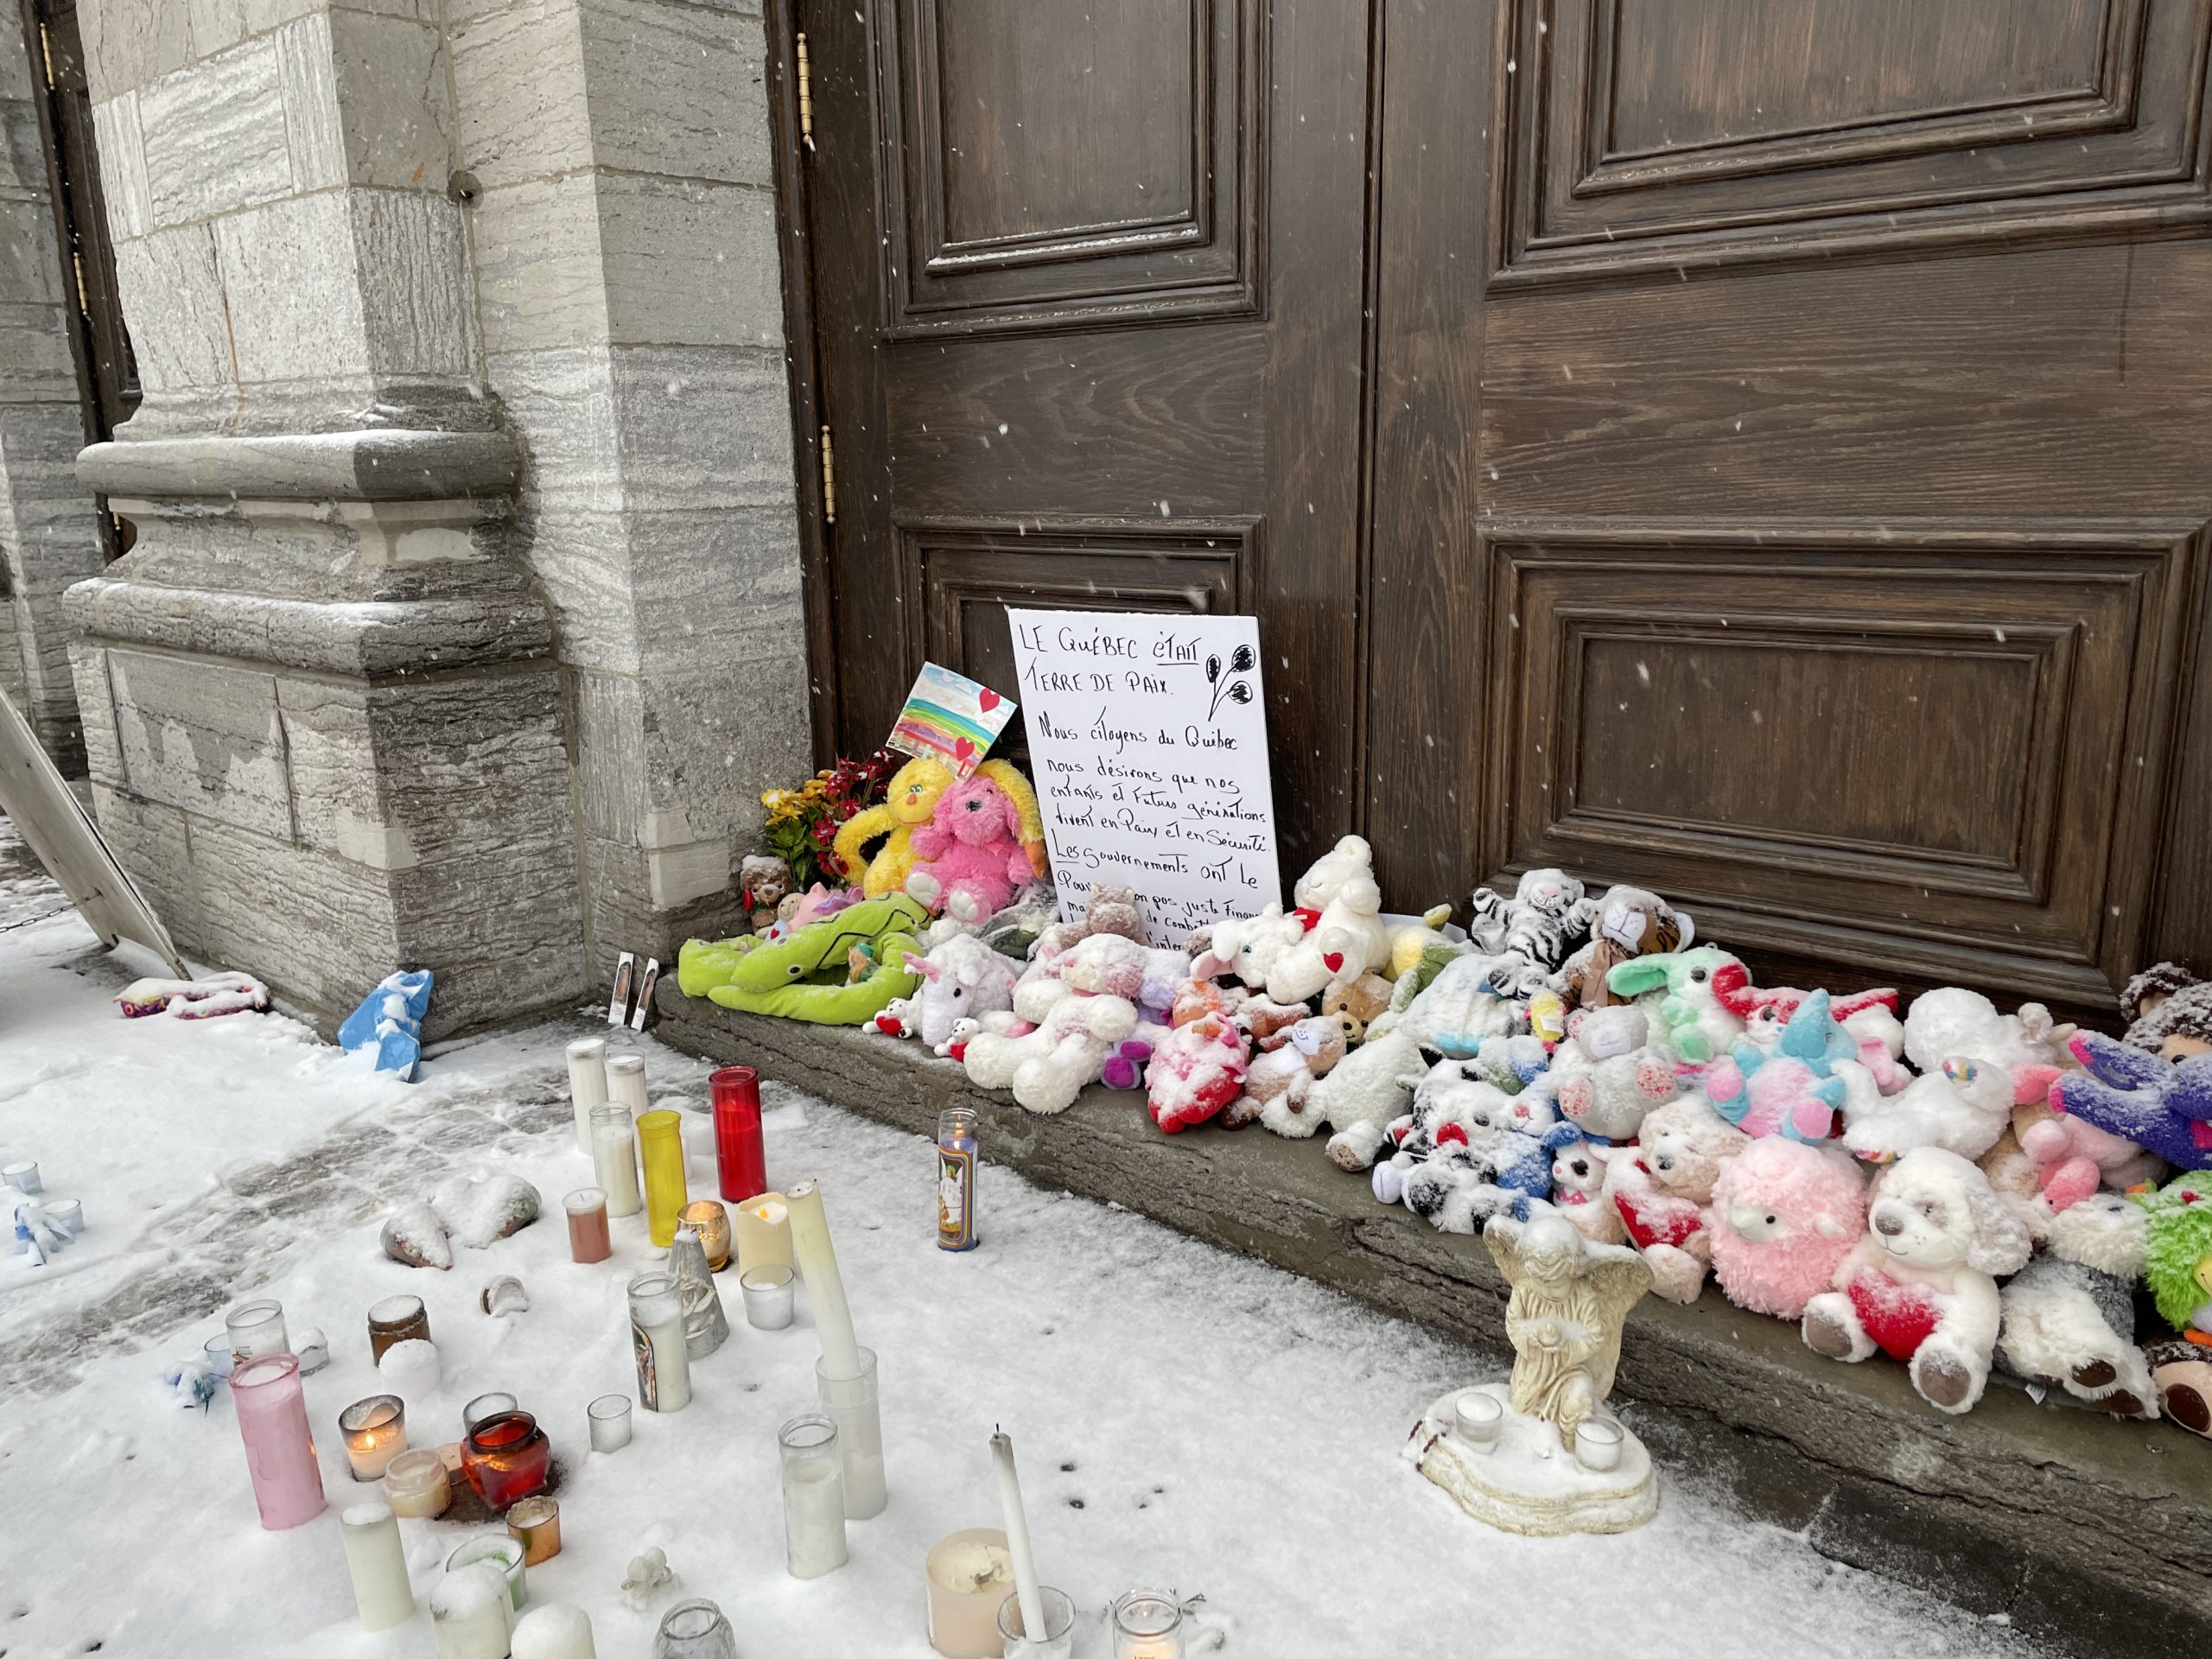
[395,1318]
[536,1524]
[256,1328]
[707,1217]
[417,1484]
[496,1549]
[610,1422]
[375,1432]
[1147,1625]
[969,1574]
[1597,1443]
[219,1356]
[410,1368]
[587,1085]
[763,1227]
[381,1592]
[1477,1417]
[770,1294]
[554,1630]
[23,1177]
[471,1614]
[68,1214]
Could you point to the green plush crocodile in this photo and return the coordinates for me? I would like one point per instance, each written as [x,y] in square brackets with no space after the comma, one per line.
[806,976]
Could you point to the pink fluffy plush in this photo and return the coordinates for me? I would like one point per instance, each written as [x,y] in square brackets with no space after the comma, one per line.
[1783,1215]
[970,856]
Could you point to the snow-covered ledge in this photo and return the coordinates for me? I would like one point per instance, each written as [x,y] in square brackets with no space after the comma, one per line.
[2084,1532]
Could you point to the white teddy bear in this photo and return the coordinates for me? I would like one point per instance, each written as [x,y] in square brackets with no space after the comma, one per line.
[1341,907]
[1047,1068]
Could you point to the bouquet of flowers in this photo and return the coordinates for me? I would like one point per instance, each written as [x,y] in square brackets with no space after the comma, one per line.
[803,822]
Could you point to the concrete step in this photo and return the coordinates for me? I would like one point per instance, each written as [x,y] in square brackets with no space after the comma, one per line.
[2091,1534]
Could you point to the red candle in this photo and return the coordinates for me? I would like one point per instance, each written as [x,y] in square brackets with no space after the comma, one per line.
[507,1458]
[738,1152]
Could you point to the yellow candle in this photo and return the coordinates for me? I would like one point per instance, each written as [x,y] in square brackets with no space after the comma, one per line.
[660,1144]
[764,1233]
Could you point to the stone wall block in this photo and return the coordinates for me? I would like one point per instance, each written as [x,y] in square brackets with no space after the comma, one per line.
[96,711]
[152,842]
[540,281]
[30,253]
[584,567]
[677,90]
[397,117]
[562,405]
[417,317]
[204,737]
[179,324]
[296,304]
[128,42]
[35,362]
[335,773]
[712,741]
[123,167]
[22,158]
[503,931]
[702,429]
[690,264]
[321,930]
[618,886]
[610,761]
[315,132]
[215,136]
[519,89]
[716,592]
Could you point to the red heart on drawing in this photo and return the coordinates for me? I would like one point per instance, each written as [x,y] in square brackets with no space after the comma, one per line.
[963,749]
[987,699]
[1334,960]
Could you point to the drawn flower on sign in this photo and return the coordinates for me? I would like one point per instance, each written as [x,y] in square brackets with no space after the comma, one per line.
[1231,687]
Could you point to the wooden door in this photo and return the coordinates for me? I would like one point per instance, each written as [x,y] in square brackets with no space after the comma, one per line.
[1087,292]
[1796,421]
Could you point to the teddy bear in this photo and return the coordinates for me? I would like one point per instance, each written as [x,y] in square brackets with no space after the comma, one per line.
[1921,1284]
[1976,1064]
[911,802]
[1784,1215]
[2164,1107]
[1626,923]
[1197,1069]
[1339,907]
[2168,1011]
[1510,1063]
[1579,1191]
[1277,1080]
[1107,910]
[968,858]
[1664,1187]
[763,881]
[1792,1089]
[1523,941]
[2071,1158]
[961,978]
[2068,1317]
[1677,992]
[1503,1166]
[1047,1067]
[1361,1001]
[1364,1091]
[1604,1077]
[902,1015]
[1456,1010]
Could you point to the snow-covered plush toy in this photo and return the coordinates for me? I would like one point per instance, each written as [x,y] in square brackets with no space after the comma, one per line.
[1339,905]
[1108,909]
[1579,1191]
[1511,1064]
[1412,942]
[969,854]
[1791,1090]
[2164,1107]
[1106,963]
[961,977]
[2069,1316]
[1921,1285]
[194,999]
[1456,1010]
[1278,1081]
[1784,1215]
[2178,1265]
[1604,1077]
[1868,1018]
[1047,1068]
[1125,1063]
[1963,1107]
[1361,1003]
[1677,991]
[955,1045]
[2072,1157]
[2168,1011]
[1502,1166]
[1246,948]
[1949,1022]
[1364,1091]
[1523,941]
[1627,923]
[1196,1071]
[1449,1101]
[1663,1189]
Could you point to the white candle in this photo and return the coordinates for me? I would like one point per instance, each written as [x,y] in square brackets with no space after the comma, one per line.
[825,1289]
[410,1368]
[587,1085]
[814,1517]
[614,1158]
[1017,1535]
[471,1614]
[556,1631]
[762,1229]
[657,1336]
[379,1565]
[626,1081]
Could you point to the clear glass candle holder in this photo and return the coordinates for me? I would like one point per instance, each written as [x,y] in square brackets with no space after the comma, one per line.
[219,1356]
[68,1214]
[1057,1640]
[695,1630]
[851,1404]
[771,1293]
[1478,1419]
[256,1328]
[1597,1443]
[374,1431]
[814,1497]
[610,1422]
[395,1320]
[485,1406]
[1147,1625]
[23,1177]
[501,1551]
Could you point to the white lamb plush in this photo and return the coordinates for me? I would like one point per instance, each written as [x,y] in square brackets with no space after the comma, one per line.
[1245,947]
[1048,1067]
[1339,898]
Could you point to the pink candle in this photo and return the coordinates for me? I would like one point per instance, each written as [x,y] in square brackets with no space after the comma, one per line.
[279,1448]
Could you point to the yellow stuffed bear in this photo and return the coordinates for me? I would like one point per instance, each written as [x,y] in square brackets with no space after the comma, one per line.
[913,800]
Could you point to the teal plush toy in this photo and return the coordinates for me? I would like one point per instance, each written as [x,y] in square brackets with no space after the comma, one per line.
[810,975]
[1792,1090]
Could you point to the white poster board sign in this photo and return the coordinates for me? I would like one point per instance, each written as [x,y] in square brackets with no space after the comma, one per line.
[1148,739]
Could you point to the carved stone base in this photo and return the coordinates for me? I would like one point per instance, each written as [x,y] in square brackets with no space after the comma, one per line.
[1528,1483]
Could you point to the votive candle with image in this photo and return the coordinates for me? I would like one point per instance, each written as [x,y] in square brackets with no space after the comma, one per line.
[656,1340]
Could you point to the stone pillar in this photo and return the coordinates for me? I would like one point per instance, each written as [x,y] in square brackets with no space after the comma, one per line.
[49,530]
[323,714]
[625,242]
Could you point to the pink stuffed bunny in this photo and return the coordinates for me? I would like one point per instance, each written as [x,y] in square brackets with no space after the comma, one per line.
[970,857]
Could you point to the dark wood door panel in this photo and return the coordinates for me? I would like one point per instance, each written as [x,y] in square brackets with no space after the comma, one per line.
[1905,747]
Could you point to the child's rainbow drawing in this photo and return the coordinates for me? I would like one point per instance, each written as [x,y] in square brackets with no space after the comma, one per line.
[949,717]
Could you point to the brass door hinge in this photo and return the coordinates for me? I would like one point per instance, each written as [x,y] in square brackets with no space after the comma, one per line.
[828,479]
[805,95]
[84,304]
[45,51]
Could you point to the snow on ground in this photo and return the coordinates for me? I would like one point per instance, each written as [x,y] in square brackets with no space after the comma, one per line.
[1184,1418]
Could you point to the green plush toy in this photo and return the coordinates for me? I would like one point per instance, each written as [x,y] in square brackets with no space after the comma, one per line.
[807,977]
[2178,1263]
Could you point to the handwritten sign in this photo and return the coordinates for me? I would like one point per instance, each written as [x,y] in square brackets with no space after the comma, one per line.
[1149,736]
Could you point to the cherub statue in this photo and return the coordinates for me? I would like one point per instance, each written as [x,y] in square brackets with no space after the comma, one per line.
[1564,1319]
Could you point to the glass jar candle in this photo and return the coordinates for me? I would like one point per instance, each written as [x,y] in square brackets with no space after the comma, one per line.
[485,1407]
[1478,1419]
[1057,1640]
[660,1148]
[850,1403]
[1147,1625]
[626,1081]
[814,1497]
[535,1524]
[23,1177]
[498,1550]
[256,1328]
[956,1178]
[218,1356]
[656,1341]
[588,1241]
[967,1574]
[279,1445]
[587,1085]
[375,1432]
[770,1294]
[506,1459]
[68,1214]
[695,1630]
[395,1318]
[471,1615]
[740,1160]
[382,1594]
[610,1422]
[615,1157]
[555,1629]
[1597,1443]
[707,1217]
[417,1486]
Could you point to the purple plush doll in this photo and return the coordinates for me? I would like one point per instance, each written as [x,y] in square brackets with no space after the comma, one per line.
[2163,1106]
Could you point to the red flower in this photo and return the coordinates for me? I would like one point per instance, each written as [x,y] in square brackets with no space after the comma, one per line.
[823,833]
